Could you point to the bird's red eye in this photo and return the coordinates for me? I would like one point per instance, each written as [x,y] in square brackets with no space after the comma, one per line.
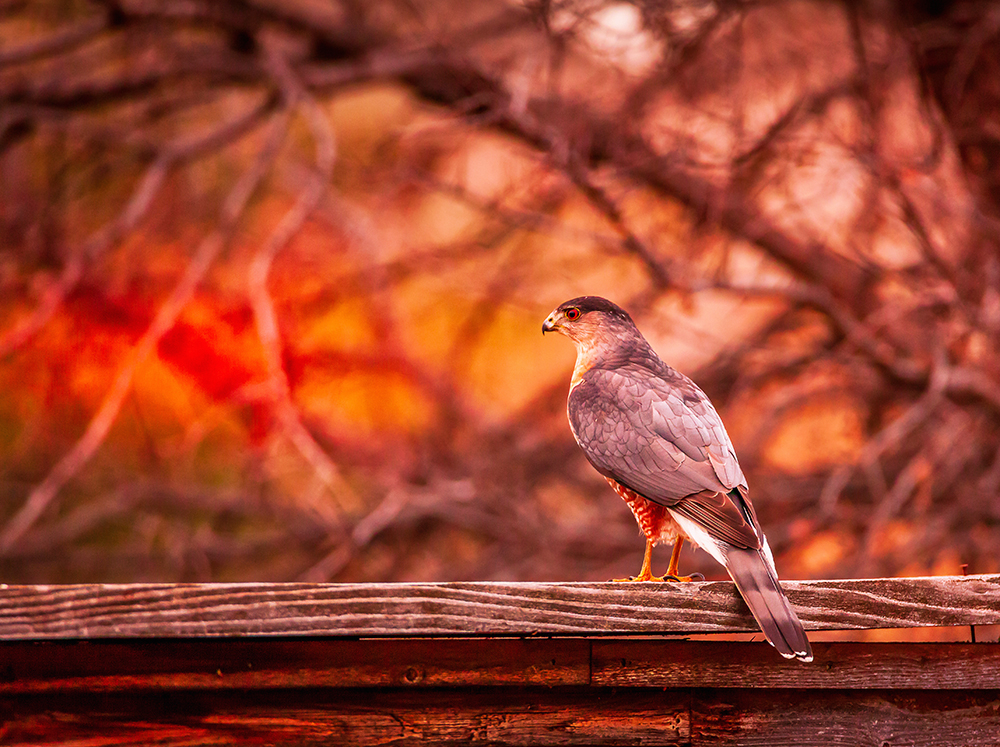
[572,314]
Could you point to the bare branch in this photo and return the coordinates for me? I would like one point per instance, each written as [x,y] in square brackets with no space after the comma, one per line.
[54,295]
[265,315]
[148,186]
[364,531]
[657,267]
[890,437]
[45,492]
[63,40]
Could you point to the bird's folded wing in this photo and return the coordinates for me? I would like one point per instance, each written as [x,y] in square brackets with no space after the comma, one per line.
[718,515]
[633,454]
[668,444]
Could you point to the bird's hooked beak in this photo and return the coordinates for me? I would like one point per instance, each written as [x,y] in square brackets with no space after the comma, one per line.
[549,325]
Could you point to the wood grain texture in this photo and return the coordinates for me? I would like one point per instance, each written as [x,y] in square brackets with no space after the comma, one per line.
[775,718]
[507,716]
[530,716]
[267,663]
[419,664]
[518,609]
[498,691]
[855,666]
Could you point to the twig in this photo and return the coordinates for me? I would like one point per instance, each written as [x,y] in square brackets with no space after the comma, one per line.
[856,331]
[658,268]
[149,185]
[135,209]
[813,104]
[966,56]
[364,531]
[210,247]
[908,479]
[890,436]
[59,41]
[265,316]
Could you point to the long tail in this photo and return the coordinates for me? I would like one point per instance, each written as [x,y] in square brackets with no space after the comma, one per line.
[758,583]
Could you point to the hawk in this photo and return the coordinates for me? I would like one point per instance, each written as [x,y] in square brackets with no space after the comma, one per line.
[657,439]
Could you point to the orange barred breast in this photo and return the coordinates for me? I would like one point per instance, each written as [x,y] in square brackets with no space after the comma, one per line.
[654,520]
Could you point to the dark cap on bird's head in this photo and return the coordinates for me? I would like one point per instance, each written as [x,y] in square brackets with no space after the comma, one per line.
[566,314]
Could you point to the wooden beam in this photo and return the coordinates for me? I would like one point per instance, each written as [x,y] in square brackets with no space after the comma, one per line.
[481,716]
[872,718]
[850,666]
[513,716]
[92,611]
[287,690]
[294,691]
[242,663]
[51,667]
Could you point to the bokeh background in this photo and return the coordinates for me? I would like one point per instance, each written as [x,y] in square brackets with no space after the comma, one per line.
[273,272]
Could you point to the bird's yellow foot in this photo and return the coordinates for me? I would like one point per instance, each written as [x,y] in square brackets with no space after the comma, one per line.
[646,574]
[671,574]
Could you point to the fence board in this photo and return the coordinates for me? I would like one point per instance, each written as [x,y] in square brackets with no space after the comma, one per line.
[422,664]
[765,718]
[499,664]
[854,666]
[518,609]
[218,664]
[514,716]
[501,716]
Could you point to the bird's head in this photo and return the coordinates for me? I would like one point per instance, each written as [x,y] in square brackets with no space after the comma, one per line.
[591,321]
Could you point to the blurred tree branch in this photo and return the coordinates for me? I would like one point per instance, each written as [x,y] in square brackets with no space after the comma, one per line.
[841,176]
[202,259]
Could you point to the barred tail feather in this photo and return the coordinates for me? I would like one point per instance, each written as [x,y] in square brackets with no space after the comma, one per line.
[758,584]
[755,577]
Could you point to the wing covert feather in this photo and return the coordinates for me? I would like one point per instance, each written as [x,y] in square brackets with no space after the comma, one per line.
[664,440]
[683,446]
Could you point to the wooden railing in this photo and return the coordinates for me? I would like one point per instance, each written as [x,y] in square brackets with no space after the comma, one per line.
[524,663]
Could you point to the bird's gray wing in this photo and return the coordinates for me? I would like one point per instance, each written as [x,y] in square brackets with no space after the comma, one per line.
[662,438]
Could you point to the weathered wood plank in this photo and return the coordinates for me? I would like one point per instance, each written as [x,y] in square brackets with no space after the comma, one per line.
[522,609]
[273,663]
[502,691]
[767,718]
[241,663]
[513,716]
[861,666]
[506,716]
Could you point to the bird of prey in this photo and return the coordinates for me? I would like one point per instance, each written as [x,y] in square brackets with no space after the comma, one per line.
[657,439]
